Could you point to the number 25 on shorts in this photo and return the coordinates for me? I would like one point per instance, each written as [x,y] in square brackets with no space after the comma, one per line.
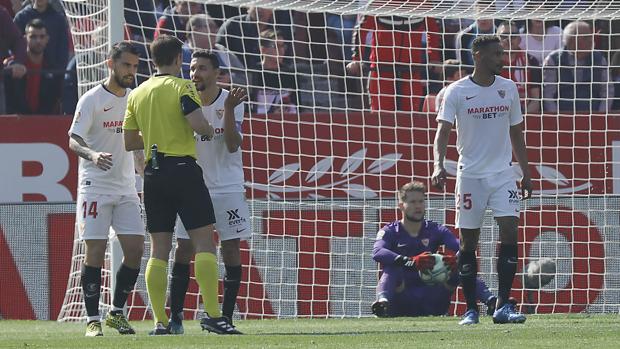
[467,204]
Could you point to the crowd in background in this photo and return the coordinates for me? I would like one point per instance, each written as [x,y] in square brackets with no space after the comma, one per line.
[296,61]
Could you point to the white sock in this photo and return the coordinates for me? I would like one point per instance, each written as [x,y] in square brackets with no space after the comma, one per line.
[89,319]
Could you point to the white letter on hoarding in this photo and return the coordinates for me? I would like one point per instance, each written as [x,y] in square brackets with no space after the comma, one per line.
[53,160]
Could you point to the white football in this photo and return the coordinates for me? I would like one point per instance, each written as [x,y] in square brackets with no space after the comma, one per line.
[438,275]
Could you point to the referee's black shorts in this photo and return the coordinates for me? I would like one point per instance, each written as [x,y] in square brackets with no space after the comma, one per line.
[177,187]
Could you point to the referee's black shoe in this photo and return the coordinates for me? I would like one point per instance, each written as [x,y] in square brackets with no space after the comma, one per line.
[219,325]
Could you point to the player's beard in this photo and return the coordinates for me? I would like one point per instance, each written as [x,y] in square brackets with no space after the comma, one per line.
[498,69]
[125,82]
[413,218]
[200,85]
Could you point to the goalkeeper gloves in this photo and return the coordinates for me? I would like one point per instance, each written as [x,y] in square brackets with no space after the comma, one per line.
[450,262]
[421,262]
[424,261]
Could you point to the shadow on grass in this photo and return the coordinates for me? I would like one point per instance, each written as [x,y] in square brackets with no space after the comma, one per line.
[345,333]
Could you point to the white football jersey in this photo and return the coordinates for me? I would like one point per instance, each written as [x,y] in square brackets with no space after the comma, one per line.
[98,119]
[483,117]
[222,170]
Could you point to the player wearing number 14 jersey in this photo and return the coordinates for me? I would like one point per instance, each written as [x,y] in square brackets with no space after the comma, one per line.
[106,188]
[486,110]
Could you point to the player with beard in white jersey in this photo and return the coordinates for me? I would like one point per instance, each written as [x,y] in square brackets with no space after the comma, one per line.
[106,192]
[487,113]
[220,159]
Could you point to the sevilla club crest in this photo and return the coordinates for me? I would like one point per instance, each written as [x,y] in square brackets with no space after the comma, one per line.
[501,93]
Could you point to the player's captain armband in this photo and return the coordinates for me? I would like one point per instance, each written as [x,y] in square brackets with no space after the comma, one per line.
[380,234]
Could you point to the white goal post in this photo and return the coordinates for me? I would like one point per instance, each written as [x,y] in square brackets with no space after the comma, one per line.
[322,162]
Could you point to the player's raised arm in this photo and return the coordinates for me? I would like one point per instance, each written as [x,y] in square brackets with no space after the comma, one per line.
[232,137]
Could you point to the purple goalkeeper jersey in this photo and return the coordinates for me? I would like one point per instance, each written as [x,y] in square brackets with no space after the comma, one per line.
[393,240]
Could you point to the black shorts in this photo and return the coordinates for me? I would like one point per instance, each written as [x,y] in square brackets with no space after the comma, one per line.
[177,187]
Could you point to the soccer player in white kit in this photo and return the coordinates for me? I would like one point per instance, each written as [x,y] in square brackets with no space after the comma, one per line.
[106,195]
[220,159]
[487,113]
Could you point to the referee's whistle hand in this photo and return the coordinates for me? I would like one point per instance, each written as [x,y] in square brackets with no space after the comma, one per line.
[102,160]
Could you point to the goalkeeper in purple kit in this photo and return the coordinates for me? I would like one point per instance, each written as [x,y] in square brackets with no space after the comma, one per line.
[404,248]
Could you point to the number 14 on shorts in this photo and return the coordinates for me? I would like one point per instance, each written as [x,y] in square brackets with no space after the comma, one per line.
[89,209]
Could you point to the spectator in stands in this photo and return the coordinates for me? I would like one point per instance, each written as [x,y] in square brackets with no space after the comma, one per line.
[11,6]
[453,70]
[240,34]
[10,40]
[57,50]
[174,19]
[540,39]
[466,36]
[201,34]
[397,52]
[520,67]
[342,25]
[576,77]
[273,84]
[40,91]
[140,21]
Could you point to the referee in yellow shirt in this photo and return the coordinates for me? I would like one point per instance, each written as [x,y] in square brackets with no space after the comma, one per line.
[162,115]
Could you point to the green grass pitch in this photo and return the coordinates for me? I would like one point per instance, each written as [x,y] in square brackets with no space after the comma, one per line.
[540,331]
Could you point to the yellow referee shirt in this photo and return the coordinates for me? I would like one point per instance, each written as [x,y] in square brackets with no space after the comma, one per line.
[155,109]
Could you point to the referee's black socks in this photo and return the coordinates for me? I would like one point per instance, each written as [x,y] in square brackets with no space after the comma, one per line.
[506,270]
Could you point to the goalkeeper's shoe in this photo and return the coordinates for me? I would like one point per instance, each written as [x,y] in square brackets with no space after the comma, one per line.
[380,307]
[507,314]
[491,303]
[93,329]
[159,330]
[219,325]
[175,325]
[471,317]
[118,321]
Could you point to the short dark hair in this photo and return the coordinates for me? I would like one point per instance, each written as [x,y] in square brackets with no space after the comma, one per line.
[269,37]
[124,46]
[36,23]
[451,66]
[209,55]
[482,41]
[165,49]
[409,187]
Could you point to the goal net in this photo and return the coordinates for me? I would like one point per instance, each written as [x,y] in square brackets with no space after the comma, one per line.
[342,113]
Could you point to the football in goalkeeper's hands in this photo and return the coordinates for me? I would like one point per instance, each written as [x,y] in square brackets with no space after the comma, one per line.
[439,274]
